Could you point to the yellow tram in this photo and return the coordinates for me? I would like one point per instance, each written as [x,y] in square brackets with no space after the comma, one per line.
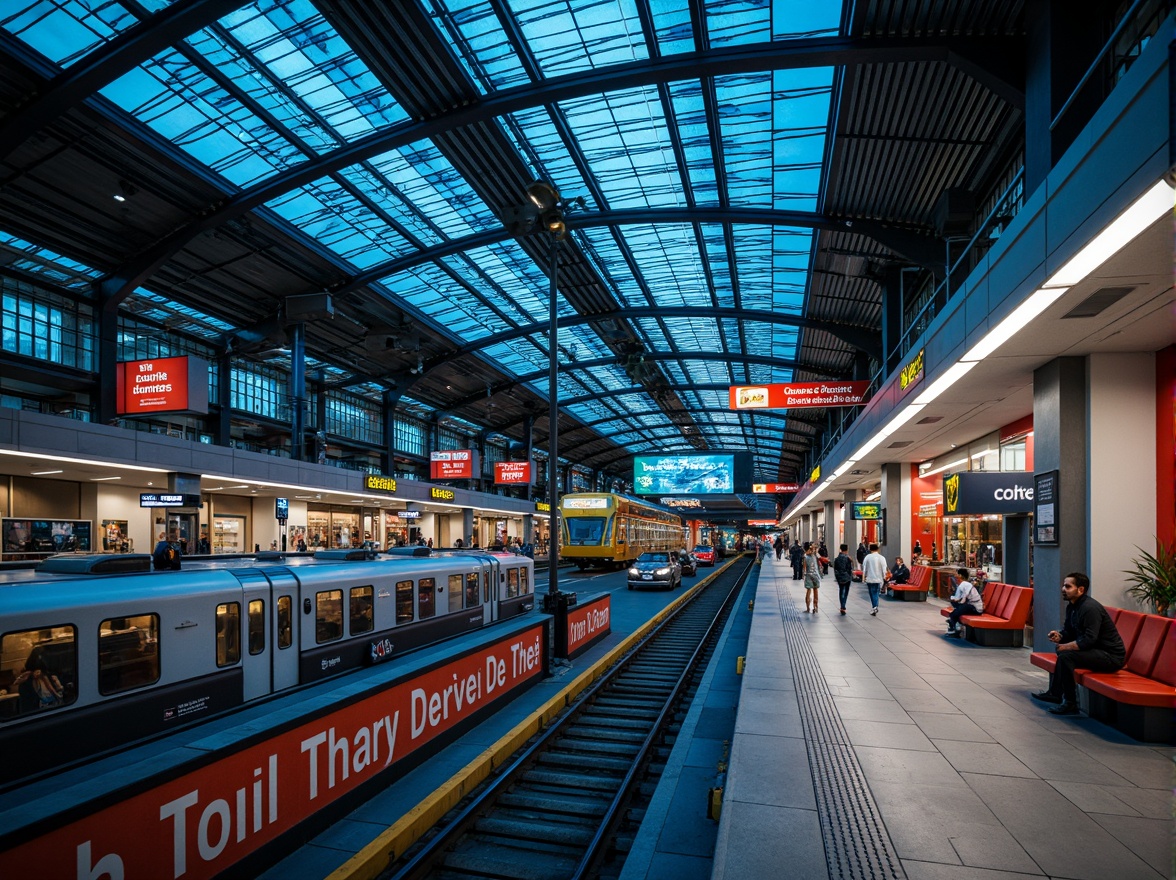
[609,530]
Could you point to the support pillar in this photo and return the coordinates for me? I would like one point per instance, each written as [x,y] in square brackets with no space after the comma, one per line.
[896,492]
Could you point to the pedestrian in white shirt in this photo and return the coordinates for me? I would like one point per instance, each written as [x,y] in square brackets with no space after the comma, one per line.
[966,600]
[874,574]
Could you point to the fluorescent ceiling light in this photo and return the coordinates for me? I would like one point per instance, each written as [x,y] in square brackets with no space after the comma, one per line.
[50,458]
[950,464]
[952,375]
[873,496]
[1144,211]
[103,479]
[1018,319]
[846,465]
[983,453]
[43,473]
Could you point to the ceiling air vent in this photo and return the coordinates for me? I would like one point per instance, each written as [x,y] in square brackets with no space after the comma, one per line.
[900,444]
[930,420]
[1098,302]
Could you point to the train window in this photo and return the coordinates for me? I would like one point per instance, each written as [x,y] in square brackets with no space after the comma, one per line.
[228,634]
[38,670]
[361,610]
[285,622]
[427,597]
[524,583]
[256,626]
[328,621]
[404,602]
[456,588]
[512,583]
[128,653]
[472,599]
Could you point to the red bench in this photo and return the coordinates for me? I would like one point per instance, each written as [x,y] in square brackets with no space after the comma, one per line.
[1140,698]
[1002,625]
[916,589]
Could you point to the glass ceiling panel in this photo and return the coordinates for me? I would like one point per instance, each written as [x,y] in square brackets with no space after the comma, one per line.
[335,219]
[147,304]
[537,140]
[423,231]
[669,261]
[66,30]
[431,290]
[672,26]
[477,38]
[625,138]
[567,36]
[24,256]
[694,133]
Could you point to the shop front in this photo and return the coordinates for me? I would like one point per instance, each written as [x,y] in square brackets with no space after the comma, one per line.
[975,505]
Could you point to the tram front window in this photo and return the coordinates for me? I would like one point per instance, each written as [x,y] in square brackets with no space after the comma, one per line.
[585,531]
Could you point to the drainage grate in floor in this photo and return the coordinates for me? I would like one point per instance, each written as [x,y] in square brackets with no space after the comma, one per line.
[856,842]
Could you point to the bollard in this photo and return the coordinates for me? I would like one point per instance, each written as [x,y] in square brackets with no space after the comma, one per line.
[751,604]
[714,803]
[740,662]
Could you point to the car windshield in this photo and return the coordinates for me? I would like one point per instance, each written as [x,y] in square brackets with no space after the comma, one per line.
[704,549]
[654,557]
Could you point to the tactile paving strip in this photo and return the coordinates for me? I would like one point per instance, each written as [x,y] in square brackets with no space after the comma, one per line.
[856,842]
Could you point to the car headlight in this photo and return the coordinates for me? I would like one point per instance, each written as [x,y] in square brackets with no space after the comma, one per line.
[634,572]
[662,572]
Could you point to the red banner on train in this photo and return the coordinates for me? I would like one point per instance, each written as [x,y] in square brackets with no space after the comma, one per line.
[799,395]
[204,822]
[161,385]
[512,473]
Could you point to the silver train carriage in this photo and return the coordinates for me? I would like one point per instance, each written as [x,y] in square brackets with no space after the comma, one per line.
[95,654]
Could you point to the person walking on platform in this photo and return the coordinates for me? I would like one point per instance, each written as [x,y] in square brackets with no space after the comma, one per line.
[862,552]
[967,600]
[843,574]
[796,557]
[1088,640]
[812,578]
[779,545]
[823,555]
[874,574]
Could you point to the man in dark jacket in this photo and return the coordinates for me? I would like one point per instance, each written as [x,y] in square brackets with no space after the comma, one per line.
[779,545]
[1088,640]
[796,557]
[899,573]
[843,574]
[862,553]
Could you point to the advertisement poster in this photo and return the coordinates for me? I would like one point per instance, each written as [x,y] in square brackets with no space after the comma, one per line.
[512,473]
[453,464]
[161,385]
[45,536]
[715,474]
[799,395]
[114,536]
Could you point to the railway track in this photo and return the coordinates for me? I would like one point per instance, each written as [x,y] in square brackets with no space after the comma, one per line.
[570,803]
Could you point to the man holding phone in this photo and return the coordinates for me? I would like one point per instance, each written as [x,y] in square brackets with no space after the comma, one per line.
[1088,640]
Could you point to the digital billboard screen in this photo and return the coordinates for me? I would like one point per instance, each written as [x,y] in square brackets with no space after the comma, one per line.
[866,510]
[713,474]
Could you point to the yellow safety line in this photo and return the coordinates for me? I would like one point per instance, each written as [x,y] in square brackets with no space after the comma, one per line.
[393,842]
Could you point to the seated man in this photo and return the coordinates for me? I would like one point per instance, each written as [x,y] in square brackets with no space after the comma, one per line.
[966,600]
[1088,640]
[900,574]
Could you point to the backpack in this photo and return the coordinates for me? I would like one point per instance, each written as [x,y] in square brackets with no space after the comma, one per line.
[171,555]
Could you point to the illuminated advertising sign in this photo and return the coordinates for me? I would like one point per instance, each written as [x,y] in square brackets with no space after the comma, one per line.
[681,502]
[713,474]
[379,483]
[799,395]
[512,473]
[771,488]
[589,623]
[571,502]
[866,510]
[815,475]
[157,499]
[911,373]
[543,507]
[454,464]
[442,494]
[281,509]
[161,385]
[974,492]
[202,823]
[765,523]
[408,514]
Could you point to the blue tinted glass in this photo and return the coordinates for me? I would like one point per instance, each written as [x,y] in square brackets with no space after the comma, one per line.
[24,256]
[65,30]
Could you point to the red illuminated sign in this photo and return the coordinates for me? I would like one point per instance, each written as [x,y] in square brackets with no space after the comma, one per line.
[204,822]
[512,473]
[799,395]
[453,464]
[161,385]
[770,488]
[768,523]
[589,622]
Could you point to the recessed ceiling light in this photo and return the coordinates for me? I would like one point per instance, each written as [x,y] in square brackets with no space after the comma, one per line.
[43,473]
[103,479]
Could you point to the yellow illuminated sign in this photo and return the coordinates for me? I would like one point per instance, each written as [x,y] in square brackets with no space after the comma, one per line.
[542,507]
[379,483]
[442,494]
[815,475]
[951,492]
[911,372]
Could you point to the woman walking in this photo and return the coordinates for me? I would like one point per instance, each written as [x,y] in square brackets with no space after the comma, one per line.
[812,578]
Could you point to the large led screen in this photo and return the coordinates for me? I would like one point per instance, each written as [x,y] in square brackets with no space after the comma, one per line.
[722,474]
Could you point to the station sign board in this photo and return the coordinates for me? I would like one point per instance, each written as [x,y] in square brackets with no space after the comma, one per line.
[761,523]
[161,385]
[408,514]
[972,492]
[799,395]
[163,499]
[513,473]
[454,464]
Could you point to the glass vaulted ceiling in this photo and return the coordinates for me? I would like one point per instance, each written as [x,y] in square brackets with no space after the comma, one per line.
[273,85]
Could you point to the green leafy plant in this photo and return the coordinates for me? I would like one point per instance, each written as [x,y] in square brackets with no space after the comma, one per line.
[1152,579]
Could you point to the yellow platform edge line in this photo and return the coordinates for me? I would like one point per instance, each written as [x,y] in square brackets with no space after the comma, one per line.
[392,843]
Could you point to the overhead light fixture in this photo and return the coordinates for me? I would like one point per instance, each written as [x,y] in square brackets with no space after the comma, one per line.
[952,375]
[43,473]
[948,466]
[1019,318]
[103,479]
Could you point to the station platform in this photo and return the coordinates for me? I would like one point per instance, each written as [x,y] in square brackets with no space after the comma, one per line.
[876,747]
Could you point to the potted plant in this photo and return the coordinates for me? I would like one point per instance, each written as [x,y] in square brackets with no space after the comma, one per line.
[1152,579]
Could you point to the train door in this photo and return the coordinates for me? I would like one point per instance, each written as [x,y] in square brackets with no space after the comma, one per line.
[284,617]
[490,574]
[257,644]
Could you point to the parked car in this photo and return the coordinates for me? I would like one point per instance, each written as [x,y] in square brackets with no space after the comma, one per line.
[656,569]
[689,564]
[705,554]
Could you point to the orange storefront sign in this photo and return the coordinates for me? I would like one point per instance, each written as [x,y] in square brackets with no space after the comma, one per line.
[799,395]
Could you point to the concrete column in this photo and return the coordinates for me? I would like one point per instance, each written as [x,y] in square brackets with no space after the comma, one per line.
[1060,443]
[1121,394]
[853,530]
[831,520]
[467,525]
[895,501]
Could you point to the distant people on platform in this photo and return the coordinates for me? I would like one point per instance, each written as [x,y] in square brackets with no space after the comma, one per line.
[779,545]
[1088,640]
[167,553]
[796,557]
[900,574]
[843,574]
[874,574]
[459,544]
[966,599]
[203,546]
[934,552]
[916,551]
[812,577]
[301,545]
[823,555]
[861,552]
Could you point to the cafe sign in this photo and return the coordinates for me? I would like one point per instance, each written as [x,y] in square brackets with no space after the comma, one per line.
[972,492]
